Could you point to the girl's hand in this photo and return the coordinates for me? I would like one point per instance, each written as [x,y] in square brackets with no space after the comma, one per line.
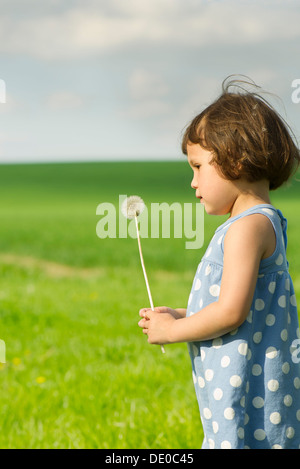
[157,324]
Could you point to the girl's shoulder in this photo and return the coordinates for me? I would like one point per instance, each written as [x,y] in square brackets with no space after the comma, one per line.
[261,227]
[255,231]
[264,230]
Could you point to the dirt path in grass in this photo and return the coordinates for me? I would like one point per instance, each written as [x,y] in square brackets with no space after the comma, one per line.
[52,269]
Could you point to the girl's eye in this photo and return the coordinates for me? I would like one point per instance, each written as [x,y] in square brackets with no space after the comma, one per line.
[197,166]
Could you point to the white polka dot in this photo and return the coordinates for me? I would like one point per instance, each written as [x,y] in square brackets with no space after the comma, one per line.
[243,401]
[298,415]
[214,290]
[201,382]
[203,354]
[190,299]
[290,432]
[218,394]
[225,445]
[249,317]
[275,418]
[270,320]
[243,348]
[195,350]
[279,259]
[256,370]
[273,385]
[200,303]
[246,419]
[209,374]
[271,352]
[285,368]
[268,211]
[288,400]
[271,287]
[293,300]
[276,447]
[297,383]
[215,426]
[258,402]
[225,361]
[259,304]
[197,284]
[284,335]
[229,413]
[208,251]
[220,239]
[208,269]
[211,443]
[217,343]
[259,434]
[235,381]
[207,413]
[282,301]
[257,337]
[287,284]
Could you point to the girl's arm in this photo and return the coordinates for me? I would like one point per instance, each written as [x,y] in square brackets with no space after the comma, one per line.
[245,244]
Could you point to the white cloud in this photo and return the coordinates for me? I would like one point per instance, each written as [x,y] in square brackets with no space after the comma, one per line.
[64,100]
[148,91]
[95,27]
[145,84]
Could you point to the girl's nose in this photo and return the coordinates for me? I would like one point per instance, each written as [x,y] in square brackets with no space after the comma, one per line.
[193,183]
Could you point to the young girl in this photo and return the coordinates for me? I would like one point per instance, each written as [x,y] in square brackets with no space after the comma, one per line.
[241,322]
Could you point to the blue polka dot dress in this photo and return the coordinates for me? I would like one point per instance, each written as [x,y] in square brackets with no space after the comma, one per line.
[247,382]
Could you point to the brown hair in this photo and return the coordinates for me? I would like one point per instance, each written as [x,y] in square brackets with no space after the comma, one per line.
[246,137]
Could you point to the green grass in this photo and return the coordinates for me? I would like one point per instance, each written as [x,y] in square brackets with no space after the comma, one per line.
[79,372]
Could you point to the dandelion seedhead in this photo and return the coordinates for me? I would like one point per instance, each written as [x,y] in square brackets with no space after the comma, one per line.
[132,206]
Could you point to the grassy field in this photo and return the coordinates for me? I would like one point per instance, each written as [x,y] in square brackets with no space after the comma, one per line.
[79,372]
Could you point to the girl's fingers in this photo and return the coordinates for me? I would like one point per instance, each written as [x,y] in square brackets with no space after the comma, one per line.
[143,323]
[143,312]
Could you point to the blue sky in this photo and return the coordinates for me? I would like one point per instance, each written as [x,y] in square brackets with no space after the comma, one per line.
[119,79]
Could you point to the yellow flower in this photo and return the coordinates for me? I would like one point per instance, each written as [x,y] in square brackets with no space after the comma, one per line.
[40,379]
[16,361]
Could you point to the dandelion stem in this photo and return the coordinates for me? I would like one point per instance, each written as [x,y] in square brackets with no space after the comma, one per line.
[144,271]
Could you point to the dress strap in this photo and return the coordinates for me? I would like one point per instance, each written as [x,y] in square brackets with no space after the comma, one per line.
[284,227]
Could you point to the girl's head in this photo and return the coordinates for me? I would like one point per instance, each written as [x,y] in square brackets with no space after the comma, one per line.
[247,138]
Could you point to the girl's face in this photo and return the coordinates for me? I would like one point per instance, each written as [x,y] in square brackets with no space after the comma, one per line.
[216,193]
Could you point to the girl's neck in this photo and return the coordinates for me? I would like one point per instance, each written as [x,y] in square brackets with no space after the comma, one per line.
[249,195]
